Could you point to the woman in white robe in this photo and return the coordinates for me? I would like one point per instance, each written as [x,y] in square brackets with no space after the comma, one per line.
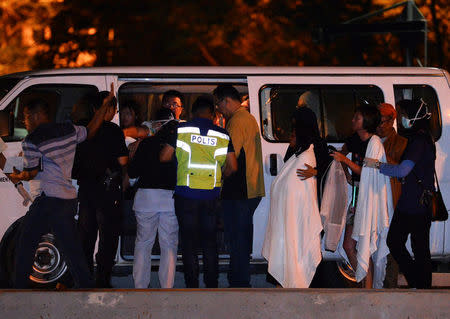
[292,239]
[368,216]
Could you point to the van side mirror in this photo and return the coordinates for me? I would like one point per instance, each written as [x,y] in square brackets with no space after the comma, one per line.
[5,123]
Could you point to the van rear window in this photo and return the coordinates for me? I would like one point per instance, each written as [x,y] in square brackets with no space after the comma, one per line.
[333,105]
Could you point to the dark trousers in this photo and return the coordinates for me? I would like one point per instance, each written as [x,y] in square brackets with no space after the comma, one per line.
[417,271]
[197,220]
[238,222]
[55,215]
[99,212]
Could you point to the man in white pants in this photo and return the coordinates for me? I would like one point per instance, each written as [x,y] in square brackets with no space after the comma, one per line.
[154,207]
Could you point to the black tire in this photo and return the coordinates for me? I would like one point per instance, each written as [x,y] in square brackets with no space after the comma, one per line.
[49,266]
[6,254]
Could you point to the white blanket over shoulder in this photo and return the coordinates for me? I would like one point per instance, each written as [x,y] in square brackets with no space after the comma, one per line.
[372,216]
[292,239]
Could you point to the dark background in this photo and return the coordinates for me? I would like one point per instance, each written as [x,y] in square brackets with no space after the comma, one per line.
[74,33]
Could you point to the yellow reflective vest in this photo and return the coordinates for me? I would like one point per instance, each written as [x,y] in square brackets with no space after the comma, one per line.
[200,157]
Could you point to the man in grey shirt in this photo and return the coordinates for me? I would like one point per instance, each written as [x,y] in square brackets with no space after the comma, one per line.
[48,152]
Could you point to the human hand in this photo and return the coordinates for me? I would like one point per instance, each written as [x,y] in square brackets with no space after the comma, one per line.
[107,101]
[15,175]
[338,156]
[371,162]
[309,172]
[26,197]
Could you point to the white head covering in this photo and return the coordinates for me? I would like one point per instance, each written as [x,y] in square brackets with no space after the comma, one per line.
[309,99]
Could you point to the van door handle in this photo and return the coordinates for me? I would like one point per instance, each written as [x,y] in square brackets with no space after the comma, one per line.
[273,167]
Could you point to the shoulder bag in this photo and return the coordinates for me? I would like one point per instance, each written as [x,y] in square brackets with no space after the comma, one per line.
[432,200]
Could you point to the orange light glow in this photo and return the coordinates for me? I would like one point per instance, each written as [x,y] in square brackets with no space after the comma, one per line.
[27,36]
[85,59]
[47,33]
[90,31]
[111,35]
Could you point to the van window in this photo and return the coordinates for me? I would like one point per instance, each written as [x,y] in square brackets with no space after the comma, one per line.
[429,96]
[333,105]
[147,98]
[61,97]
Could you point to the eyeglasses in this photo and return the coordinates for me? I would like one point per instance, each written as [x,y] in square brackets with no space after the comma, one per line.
[174,104]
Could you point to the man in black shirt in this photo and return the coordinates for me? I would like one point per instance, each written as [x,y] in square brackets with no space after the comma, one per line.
[98,168]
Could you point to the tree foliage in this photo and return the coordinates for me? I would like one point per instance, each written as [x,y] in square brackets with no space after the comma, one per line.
[200,32]
[23,29]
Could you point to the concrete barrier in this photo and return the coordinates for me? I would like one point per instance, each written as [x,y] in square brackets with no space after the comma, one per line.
[226,303]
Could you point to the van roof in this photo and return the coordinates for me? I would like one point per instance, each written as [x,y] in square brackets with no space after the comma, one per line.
[233,71]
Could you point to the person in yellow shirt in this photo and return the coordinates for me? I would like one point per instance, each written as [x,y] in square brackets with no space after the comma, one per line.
[242,191]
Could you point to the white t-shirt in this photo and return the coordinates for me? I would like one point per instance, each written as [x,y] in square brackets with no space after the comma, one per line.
[153,200]
[3,145]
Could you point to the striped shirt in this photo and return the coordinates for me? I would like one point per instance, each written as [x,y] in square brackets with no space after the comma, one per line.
[50,148]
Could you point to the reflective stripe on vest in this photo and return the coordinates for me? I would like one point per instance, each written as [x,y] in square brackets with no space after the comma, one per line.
[211,148]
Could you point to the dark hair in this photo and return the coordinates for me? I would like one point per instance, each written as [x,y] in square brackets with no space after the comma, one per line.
[223,91]
[102,96]
[202,103]
[164,114]
[167,130]
[371,117]
[410,107]
[94,100]
[306,129]
[173,93]
[134,107]
[38,105]
[129,104]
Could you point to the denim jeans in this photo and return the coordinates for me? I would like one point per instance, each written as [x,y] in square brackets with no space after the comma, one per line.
[198,228]
[148,224]
[55,215]
[238,222]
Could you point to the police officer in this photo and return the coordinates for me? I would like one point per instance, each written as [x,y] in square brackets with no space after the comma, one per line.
[204,153]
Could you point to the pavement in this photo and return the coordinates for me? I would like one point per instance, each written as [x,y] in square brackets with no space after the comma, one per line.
[126,281]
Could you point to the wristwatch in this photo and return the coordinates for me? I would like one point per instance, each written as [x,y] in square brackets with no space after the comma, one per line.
[378,164]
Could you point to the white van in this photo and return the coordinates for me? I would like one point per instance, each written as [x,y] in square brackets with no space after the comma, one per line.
[273,93]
